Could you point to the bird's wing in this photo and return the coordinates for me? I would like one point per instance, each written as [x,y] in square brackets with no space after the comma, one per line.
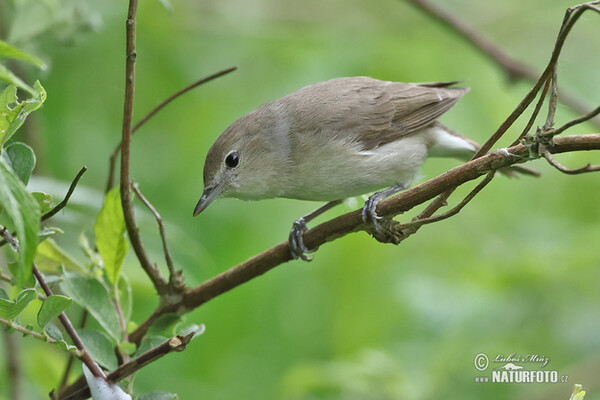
[376,112]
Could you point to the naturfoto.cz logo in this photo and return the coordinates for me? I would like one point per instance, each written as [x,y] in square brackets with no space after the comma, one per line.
[509,370]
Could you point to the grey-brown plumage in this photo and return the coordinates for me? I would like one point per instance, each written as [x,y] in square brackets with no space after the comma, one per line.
[331,140]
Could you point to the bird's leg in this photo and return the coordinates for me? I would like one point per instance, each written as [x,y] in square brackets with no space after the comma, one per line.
[369,211]
[297,247]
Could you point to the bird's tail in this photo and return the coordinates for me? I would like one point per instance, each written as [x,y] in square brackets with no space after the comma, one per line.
[447,143]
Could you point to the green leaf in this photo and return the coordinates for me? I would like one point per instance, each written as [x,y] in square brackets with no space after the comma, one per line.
[127,347]
[159,396]
[165,325]
[21,159]
[51,308]
[100,347]
[110,235]
[8,51]
[44,200]
[48,231]
[14,112]
[6,75]
[125,297]
[53,332]
[149,342]
[3,294]
[11,309]
[92,295]
[25,214]
[50,256]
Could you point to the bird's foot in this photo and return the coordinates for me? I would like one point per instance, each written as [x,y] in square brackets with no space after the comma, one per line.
[369,211]
[297,247]
[384,231]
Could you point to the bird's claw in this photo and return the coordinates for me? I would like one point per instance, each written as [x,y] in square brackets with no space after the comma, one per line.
[369,212]
[297,247]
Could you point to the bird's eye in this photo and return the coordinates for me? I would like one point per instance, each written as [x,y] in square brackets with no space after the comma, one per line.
[232,159]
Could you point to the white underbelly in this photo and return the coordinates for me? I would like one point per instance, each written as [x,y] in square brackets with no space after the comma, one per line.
[333,172]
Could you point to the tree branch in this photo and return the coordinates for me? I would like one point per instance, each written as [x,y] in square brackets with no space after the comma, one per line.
[352,222]
[79,389]
[64,202]
[515,70]
[175,277]
[66,323]
[134,236]
[154,111]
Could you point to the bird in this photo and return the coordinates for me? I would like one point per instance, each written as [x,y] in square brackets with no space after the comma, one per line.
[332,140]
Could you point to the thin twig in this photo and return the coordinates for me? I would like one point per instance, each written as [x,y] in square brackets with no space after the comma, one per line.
[534,114]
[67,372]
[64,202]
[13,364]
[577,121]
[422,221]
[134,236]
[154,111]
[122,322]
[79,389]
[9,238]
[161,228]
[66,323]
[514,69]
[26,331]
[553,103]
[352,222]
[569,171]
[5,278]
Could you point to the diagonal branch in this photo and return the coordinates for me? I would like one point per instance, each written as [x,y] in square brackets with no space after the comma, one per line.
[175,276]
[66,323]
[64,202]
[79,389]
[352,222]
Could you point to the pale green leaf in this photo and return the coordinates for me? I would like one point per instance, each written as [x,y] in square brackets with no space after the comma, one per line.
[166,325]
[44,200]
[149,342]
[51,308]
[7,76]
[25,214]
[21,159]
[100,347]
[9,51]
[14,112]
[50,256]
[11,309]
[110,235]
[92,295]
[48,231]
[125,297]
[158,396]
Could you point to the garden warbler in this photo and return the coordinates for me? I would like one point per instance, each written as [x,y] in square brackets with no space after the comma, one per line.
[332,140]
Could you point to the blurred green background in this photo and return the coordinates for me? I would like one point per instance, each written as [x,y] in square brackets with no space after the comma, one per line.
[517,271]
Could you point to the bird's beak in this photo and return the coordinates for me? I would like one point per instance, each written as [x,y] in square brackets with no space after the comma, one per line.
[209,194]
